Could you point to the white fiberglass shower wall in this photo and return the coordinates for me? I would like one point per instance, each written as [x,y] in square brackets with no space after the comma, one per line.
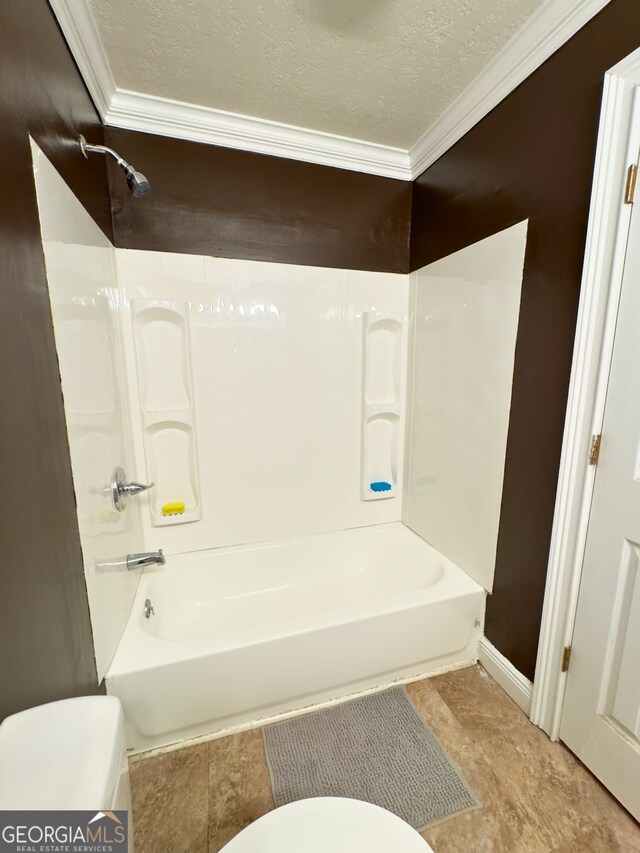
[464,321]
[273,404]
[85,306]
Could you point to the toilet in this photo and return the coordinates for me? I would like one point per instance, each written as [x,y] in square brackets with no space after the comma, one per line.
[328,825]
[66,755]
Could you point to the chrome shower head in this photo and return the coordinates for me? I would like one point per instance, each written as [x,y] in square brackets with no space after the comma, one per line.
[136,181]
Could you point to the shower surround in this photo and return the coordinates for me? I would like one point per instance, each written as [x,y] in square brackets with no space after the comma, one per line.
[262,399]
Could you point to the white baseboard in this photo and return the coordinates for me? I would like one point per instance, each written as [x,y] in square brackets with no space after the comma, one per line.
[504,672]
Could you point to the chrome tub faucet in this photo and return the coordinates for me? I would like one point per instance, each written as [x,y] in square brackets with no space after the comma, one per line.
[147,558]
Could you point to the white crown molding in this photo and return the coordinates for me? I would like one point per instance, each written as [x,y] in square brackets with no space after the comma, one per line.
[554,23]
[136,111]
[547,30]
[504,672]
[79,29]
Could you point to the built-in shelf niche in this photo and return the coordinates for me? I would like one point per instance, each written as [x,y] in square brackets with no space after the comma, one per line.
[86,341]
[165,393]
[381,403]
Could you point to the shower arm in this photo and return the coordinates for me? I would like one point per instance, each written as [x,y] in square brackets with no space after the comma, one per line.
[137,182]
[101,149]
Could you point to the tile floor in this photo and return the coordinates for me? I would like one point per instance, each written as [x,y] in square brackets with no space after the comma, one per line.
[537,798]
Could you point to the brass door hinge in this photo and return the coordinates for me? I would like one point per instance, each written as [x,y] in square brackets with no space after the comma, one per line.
[566,657]
[630,187]
[594,452]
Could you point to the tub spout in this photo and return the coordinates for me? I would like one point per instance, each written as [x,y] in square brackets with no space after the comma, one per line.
[147,558]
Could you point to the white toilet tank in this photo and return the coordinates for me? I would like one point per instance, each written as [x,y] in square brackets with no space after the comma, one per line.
[67,755]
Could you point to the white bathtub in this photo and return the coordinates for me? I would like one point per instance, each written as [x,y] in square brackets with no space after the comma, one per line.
[245,633]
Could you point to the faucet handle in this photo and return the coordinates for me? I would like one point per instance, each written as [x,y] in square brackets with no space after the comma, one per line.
[136,488]
[120,490]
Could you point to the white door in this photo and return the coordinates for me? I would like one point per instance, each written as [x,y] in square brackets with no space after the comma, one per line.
[601,713]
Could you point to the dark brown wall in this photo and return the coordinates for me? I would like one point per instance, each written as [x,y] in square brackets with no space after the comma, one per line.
[217,201]
[46,649]
[531,157]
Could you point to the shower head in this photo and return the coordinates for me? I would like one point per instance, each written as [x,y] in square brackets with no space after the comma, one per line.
[136,181]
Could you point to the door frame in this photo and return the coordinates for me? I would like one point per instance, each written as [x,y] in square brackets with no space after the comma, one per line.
[608,226]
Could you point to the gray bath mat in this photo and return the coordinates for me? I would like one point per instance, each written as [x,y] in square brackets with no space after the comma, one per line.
[375,749]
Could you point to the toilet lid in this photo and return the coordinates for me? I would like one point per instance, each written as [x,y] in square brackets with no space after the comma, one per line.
[328,825]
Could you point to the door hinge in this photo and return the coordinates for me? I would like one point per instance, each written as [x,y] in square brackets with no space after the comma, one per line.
[630,187]
[566,657]
[594,452]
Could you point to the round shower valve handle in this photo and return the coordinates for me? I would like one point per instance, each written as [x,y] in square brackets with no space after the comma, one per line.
[121,490]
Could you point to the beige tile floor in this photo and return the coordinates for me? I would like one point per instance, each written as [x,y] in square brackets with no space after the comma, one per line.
[537,798]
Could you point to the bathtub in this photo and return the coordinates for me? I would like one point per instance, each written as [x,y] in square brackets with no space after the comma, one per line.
[247,633]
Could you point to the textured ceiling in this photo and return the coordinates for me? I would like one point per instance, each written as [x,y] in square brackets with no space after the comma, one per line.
[378,70]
